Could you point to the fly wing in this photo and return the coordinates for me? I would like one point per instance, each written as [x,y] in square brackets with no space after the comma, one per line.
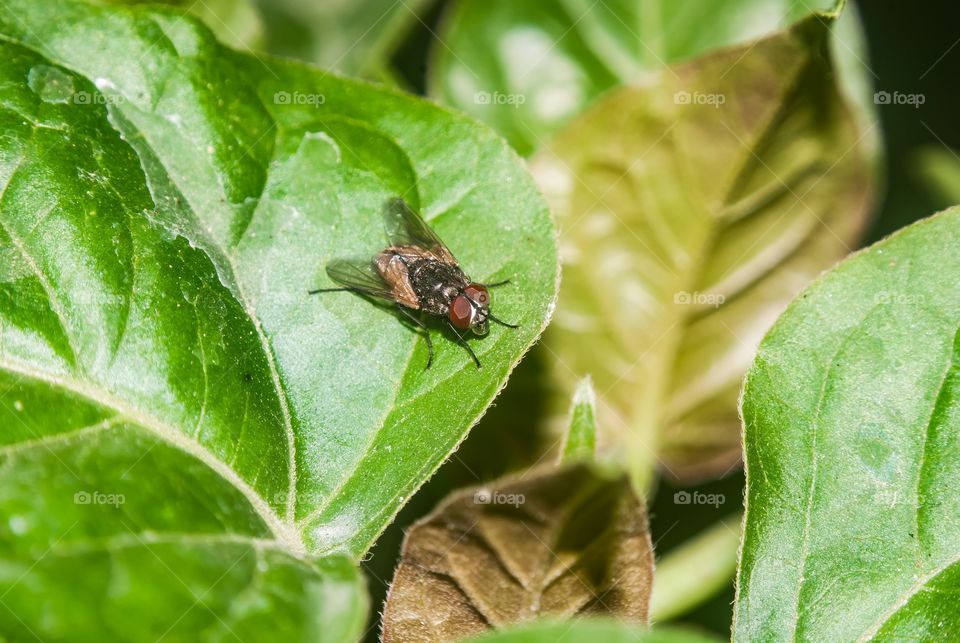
[359,275]
[407,228]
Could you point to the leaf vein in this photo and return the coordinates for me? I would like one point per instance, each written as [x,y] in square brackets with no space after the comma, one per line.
[170,435]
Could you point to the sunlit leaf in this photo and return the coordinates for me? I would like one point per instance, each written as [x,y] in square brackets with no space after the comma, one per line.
[189,439]
[692,209]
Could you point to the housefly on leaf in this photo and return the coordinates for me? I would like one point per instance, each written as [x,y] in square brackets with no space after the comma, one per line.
[417,272]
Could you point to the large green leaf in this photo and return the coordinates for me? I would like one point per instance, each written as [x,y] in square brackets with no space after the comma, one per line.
[527,67]
[166,203]
[852,430]
[692,210]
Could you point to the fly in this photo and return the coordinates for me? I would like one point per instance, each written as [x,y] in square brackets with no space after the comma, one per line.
[417,272]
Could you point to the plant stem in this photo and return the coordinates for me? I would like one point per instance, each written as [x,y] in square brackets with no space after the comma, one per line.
[696,570]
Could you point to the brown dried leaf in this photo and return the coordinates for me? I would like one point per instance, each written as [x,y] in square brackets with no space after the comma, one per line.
[553,541]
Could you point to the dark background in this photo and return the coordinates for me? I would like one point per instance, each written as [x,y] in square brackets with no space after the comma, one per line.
[914,48]
[906,40]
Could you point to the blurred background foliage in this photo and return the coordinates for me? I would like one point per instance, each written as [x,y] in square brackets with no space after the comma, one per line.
[912,49]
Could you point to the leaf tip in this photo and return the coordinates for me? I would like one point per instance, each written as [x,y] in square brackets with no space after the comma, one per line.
[580,441]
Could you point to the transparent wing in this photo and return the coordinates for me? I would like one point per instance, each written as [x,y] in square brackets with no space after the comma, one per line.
[360,275]
[407,228]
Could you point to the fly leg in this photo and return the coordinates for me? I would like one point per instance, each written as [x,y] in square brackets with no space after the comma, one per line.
[426,331]
[498,283]
[501,322]
[463,342]
[314,292]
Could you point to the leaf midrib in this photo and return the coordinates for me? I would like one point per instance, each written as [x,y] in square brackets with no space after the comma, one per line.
[674,321]
[717,221]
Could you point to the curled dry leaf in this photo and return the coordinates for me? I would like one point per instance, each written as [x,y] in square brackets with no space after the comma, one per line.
[552,542]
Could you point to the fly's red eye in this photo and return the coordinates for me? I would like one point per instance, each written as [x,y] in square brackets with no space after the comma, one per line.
[461,312]
[478,294]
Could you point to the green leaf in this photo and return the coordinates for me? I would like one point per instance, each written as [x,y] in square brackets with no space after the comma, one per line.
[691,211]
[852,425]
[528,67]
[581,438]
[166,204]
[547,542]
[591,631]
[180,587]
